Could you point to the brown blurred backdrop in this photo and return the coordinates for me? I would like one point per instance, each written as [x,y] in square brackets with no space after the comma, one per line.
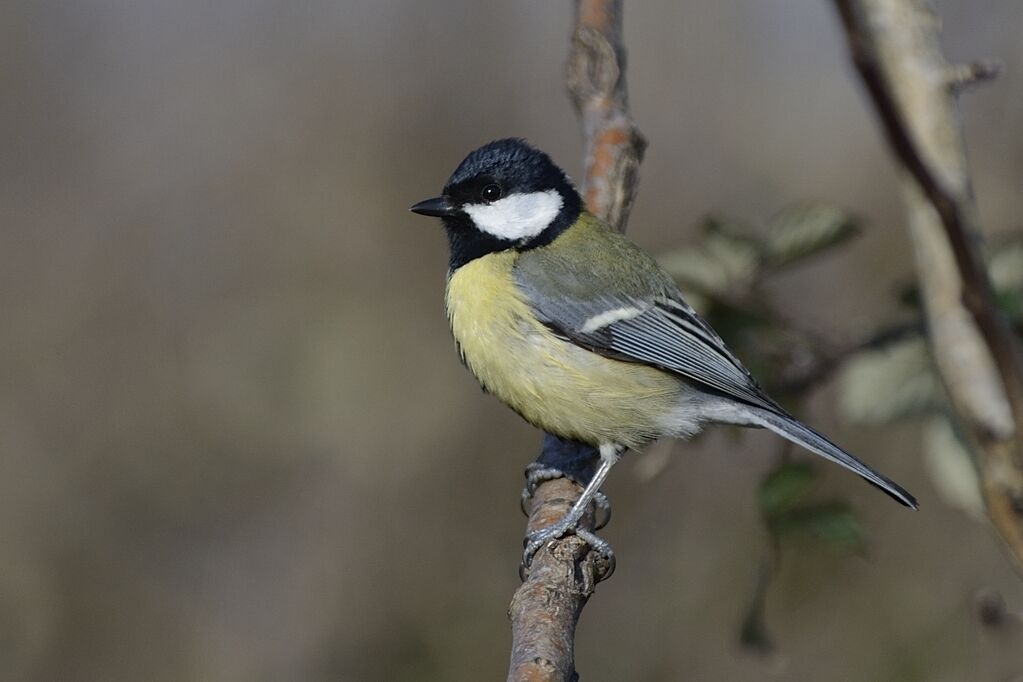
[236,442]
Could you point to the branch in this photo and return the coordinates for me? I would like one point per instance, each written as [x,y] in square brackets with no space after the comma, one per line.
[895,47]
[596,82]
[546,608]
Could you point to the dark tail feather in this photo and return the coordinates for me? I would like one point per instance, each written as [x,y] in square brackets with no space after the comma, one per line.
[788,427]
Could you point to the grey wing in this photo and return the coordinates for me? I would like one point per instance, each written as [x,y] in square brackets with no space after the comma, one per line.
[644,319]
[662,331]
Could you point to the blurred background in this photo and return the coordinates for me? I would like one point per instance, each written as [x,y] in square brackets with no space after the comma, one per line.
[236,441]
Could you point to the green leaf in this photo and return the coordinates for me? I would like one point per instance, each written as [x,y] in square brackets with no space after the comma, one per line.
[832,524]
[806,229]
[890,383]
[1010,303]
[784,487]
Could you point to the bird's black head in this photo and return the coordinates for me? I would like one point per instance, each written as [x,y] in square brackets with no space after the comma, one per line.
[504,195]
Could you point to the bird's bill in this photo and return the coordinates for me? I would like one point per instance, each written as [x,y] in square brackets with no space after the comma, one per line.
[438,207]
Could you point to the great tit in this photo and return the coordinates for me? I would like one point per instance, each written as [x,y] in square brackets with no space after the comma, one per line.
[579,331]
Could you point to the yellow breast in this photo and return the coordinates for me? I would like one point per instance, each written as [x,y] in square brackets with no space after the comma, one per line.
[552,383]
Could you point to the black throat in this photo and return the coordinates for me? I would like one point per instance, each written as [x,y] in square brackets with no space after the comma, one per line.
[467,243]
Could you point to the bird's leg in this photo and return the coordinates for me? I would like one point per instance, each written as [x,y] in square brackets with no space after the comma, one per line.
[538,473]
[609,454]
[564,458]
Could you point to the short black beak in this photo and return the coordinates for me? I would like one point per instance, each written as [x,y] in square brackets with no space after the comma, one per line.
[437,207]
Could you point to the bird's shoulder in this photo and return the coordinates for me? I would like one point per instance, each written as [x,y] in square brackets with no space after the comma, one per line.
[590,260]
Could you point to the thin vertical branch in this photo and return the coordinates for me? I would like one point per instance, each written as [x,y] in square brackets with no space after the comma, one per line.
[545,609]
[596,83]
[895,47]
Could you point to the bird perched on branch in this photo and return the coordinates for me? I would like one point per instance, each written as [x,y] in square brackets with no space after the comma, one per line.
[579,331]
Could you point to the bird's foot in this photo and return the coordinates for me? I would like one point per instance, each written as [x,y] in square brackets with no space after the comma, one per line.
[541,471]
[537,474]
[540,538]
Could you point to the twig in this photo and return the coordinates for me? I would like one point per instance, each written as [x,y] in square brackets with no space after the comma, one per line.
[596,82]
[546,608]
[895,47]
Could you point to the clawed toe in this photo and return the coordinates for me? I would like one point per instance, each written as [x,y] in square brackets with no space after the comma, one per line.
[540,538]
[536,474]
[602,547]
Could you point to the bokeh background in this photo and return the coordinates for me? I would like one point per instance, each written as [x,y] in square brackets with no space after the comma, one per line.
[235,439]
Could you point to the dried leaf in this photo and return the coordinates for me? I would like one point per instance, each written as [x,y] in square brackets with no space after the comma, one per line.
[693,270]
[723,261]
[890,383]
[952,469]
[806,229]
[738,259]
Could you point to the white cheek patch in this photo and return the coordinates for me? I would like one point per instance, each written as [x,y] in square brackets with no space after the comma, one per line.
[517,216]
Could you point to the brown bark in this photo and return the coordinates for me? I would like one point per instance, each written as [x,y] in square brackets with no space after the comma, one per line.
[546,608]
[596,82]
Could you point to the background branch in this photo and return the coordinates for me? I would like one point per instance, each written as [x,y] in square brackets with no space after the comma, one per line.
[895,47]
[596,82]
[545,609]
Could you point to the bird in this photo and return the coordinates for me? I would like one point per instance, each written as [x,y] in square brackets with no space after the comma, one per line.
[579,331]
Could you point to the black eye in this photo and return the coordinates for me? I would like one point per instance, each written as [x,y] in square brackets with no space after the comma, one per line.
[491,193]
